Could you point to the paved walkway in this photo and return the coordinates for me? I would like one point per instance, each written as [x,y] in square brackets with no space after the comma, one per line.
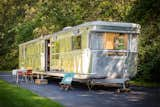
[81,97]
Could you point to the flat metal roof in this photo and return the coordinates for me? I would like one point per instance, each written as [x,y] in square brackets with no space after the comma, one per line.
[134,26]
[120,24]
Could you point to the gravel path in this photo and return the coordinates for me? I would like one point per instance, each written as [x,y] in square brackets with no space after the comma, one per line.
[100,97]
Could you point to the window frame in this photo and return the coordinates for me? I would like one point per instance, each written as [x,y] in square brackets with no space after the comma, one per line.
[80,42]
[92,34]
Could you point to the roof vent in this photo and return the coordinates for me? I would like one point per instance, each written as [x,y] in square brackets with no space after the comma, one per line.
[66,28]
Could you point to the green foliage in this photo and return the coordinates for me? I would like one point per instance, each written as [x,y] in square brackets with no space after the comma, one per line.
[147,14]
[144,84]
[23,20]
[24,32]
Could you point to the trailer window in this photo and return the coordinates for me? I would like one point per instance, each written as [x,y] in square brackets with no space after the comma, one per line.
[133,43]
[55,49]
[110,41]
[76,42]
[23,51]
[55,46]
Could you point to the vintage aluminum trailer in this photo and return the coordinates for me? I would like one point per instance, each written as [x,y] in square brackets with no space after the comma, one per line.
[103,51]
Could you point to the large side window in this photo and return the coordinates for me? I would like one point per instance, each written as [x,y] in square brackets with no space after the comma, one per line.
[121,41]
[110,41]
[76,42]
[55,46]
[55,49]
[134,43]
[24,51]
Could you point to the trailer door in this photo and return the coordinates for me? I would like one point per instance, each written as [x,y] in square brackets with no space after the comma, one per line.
[47,55]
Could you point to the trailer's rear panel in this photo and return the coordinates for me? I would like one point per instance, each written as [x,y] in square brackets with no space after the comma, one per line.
[114,54]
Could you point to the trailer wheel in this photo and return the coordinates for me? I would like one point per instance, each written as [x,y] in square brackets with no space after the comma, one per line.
[127,84]
[61,87]
[66,88]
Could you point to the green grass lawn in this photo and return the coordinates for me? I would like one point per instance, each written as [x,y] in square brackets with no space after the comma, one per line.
[144,84]
[12,96]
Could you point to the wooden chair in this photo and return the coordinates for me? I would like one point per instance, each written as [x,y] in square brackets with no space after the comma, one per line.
[29,75]
[20,76]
